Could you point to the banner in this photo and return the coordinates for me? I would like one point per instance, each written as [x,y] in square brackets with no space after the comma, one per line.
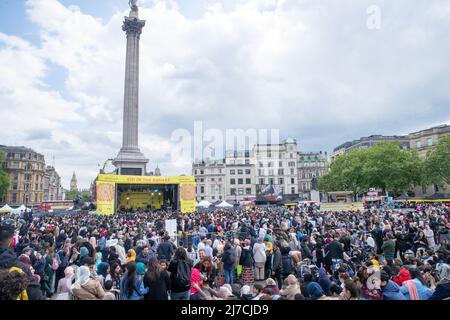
[187,197]
[123,179]
[171,227]
[106,192]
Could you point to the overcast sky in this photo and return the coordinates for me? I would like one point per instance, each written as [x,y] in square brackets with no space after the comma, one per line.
[310,68]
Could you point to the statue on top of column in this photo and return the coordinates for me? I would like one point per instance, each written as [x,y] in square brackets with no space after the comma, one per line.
[133,5]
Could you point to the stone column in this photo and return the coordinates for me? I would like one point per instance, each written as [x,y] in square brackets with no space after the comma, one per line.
[133,28]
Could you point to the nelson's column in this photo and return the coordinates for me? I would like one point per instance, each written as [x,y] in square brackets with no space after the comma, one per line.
[130,160]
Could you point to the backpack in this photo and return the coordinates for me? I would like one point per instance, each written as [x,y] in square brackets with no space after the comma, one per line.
[183,275]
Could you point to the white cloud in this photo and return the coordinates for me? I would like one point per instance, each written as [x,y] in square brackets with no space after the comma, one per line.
[311,69]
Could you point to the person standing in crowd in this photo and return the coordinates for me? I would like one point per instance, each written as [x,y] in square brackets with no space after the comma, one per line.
[157,280]
[259,256]
[180,275]
[247,263]
[131,286]
[229,263]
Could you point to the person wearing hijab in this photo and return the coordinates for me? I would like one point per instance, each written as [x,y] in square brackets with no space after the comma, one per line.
[102,272]
[65,283]
[442,290]
[324,281]
[292,289]
[86,288]
[98,258]
[131,255]
[315,291]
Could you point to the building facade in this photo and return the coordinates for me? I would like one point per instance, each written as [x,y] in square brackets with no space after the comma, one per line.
[423,142]
[53,189]
[367,142]
[210,179]
[310,165]
[26,170]
[276,168]
[240,176]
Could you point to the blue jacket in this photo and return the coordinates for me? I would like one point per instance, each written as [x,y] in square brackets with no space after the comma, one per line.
[392,292]
[424,292]
[441,292]
[138,292]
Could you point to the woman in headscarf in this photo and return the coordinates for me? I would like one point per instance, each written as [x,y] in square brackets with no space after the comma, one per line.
[102,272]
[131,255]
[315,291]
[324,281]
[65,283]
[98,258]
[292,289]
[157,280]
[442,290]
[246,261]
[131,286]
[86,288]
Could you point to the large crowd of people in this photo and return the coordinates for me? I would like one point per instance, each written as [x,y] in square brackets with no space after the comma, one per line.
[262,253]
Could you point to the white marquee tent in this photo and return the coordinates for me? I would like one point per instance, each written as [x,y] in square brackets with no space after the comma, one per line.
[6,208]
[20,209]
[224,204]
[204,204]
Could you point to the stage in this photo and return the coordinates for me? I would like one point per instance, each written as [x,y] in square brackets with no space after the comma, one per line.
[130,193]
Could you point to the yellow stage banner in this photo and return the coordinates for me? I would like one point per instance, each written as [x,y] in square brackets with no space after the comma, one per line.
[187,197]
[106,192]
[123,179]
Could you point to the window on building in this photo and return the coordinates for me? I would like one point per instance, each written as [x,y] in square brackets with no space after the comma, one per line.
[220,170]
[418,144]
[195,171]
[233,181]
[248,181]
[292,190]
[292,180]
[247,161]
[247,171]
[240,171]
[233,191]
[304,186]
[281,172]
[240,181]
[220,197]
[247,154]
[292,171]
[233,171]
[280,163]
[14,198]
[202,198]
[202,180]
[269,154]
[261,181]
[248,191]
[212,179]
[261,165]
[430,142]
[281,180]
[271,181]
[202,189]
[201,171]
[37,186]
[213,197]
[16,176]
[291,155]
[220,179]
[241,191]
[14,187]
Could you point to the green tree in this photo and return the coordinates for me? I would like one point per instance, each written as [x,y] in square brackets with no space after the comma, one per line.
[384,165]
[70,195]
[392,169]
[86,196]
[4,177]
[437,164]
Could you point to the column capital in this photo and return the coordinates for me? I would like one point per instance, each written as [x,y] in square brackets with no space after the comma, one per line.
[133,26]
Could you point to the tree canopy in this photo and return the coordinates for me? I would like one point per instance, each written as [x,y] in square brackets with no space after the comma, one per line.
[4,177]
[437,165]
[385,166]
